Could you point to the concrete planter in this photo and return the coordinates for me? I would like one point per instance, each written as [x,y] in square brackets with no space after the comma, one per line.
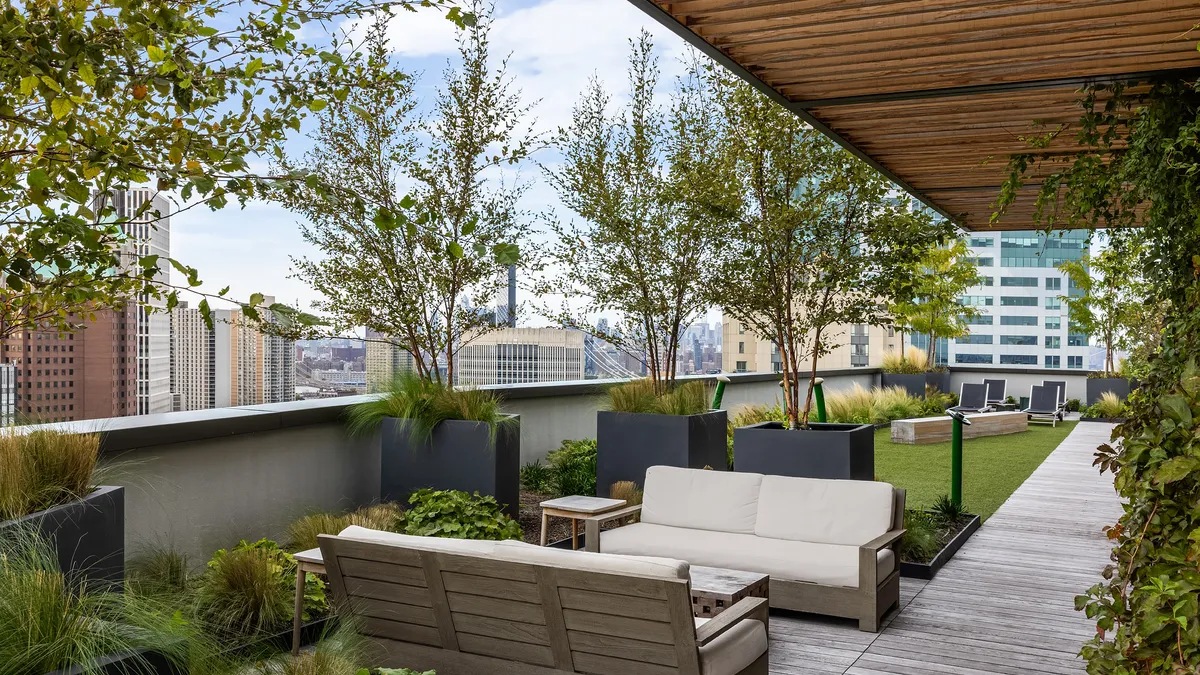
[87,534]
[939,381]
[629,443]
[845,451]
[915,384]
[458,455]
[1118,385]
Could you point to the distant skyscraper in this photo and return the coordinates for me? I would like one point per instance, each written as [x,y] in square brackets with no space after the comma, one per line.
[384,361]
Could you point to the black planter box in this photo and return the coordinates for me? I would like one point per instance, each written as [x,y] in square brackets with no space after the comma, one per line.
[629,443]
[939,381]
[458,455]
[1117,385]
[87,534]
[845,451]
[915,384]
[930,569]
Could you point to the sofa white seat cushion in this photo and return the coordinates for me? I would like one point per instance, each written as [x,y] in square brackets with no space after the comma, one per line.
[441,544]
[734,649]
[723,501]
[647,566]
[825,564]
[820,511]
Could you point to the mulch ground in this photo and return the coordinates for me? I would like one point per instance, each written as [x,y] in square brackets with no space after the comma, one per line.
[531,519]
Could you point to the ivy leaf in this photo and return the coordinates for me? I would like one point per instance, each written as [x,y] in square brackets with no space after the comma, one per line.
[1176,468]
[1176,407]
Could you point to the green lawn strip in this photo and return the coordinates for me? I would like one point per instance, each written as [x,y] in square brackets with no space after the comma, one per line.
[993,467]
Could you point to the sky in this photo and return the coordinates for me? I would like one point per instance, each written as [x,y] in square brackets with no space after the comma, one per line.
[553,47]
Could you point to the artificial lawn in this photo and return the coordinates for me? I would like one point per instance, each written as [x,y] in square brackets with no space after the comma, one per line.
[993,467]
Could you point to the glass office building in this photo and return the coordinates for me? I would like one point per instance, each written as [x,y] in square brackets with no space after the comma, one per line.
[1023,321]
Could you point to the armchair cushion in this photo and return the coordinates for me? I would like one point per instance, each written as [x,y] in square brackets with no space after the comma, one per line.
[442,544]
[826,564]
[733,650]
[663,568]
[721,501]
[843,512]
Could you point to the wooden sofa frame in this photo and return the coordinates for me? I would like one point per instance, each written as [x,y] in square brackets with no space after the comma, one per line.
[868,603]
[466,615]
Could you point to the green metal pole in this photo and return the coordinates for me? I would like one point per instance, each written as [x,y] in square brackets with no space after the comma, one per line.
[819,394]
[956,462]
[721,381]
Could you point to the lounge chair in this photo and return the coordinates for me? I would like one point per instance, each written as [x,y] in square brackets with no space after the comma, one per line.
[972,398]
[995,391]
[1043,404]
[1061,396]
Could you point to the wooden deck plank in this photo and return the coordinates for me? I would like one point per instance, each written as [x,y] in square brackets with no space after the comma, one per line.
[1003,605]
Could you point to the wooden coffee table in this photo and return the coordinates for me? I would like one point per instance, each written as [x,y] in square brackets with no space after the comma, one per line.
[715,590]
[575,507]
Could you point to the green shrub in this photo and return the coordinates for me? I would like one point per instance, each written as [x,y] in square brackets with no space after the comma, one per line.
[42,469]
[159,571]
[638,396]
[946,512]
[248,590]
[858,405]
[920,542]
[627,490]
[573,468]
[302,533]
[912,362]
[1110,405]
[425,404]
[450,513]
[1073,405]
[537,477]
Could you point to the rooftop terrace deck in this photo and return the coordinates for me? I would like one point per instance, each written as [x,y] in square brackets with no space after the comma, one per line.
[1004,604]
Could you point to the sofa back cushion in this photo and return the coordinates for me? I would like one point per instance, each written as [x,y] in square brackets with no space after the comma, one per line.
[700,499]
[441,544]
[822,511]
[606,563]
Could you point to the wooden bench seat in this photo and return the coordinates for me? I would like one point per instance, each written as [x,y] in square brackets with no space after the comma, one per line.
[923,430]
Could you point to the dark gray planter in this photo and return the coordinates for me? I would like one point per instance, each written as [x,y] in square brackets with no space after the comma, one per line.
[629,443]
[939,381]
[930,569]
[915,384]
[87,534]
[458,455]
[845,451]
[1097,386]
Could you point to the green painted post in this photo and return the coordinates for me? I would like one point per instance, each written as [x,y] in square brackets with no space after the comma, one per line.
[956,461]
[720,392]
[819,394]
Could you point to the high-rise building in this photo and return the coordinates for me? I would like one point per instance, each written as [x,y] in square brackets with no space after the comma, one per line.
[8,394]
[1023,320]
[515,355]
[232,364]
[88,374]
[383,361]
[854,346]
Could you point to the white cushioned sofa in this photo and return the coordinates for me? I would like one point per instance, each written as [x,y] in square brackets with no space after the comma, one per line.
[828,545]
[467,607]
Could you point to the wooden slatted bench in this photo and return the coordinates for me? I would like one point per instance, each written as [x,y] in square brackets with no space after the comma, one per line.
[923,430]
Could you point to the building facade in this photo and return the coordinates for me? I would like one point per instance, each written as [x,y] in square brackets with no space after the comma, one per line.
[1023,320]
[856,346]
[516,355]
[383,361]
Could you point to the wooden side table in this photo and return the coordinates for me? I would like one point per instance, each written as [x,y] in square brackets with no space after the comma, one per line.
[309,561]
[715,590]
[577,508]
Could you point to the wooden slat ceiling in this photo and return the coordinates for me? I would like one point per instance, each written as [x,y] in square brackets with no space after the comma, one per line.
[938,94]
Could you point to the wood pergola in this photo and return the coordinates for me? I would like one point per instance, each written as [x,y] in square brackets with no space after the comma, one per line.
[937,94]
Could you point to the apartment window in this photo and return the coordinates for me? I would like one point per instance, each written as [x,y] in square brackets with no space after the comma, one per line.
[741,328]
[981,320]
[1018,359]
[976,300]
[982,262]
[1053,303]
[1053,323]
[1053,342]
[1052,361]
[986,281]
[1075,362]
[741,347]
[974,339]
[1018,321]
[1025,282]
[1054,283]
[972,358]
[740,366]
[1021,340]
[1077,340]
[1017,301]
[981,242]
